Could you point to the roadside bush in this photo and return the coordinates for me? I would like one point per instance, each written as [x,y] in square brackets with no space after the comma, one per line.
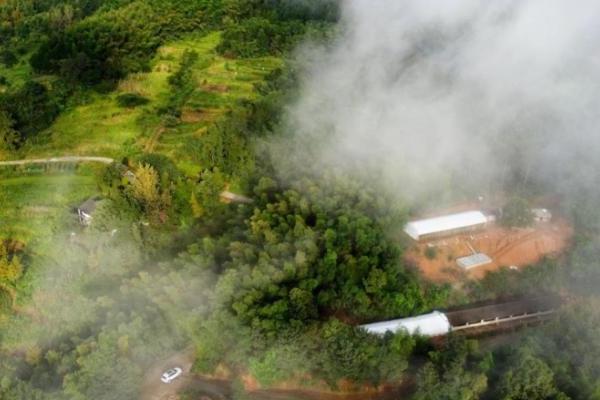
[131,100]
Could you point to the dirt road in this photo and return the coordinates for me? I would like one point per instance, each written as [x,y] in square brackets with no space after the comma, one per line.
[154,389]
[225,195]
[213,389]
[66,159]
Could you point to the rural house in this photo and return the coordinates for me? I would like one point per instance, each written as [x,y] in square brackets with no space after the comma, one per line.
[86,210]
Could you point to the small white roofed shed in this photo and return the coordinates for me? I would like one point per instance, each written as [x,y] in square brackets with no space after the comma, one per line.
[445,225]
[474,261]
[432,324]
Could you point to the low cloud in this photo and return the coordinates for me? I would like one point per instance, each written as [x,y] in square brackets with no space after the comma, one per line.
[468,92]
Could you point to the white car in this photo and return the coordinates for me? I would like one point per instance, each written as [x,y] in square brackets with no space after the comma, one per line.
[171,374]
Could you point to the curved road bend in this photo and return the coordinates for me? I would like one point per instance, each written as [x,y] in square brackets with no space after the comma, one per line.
[216,389]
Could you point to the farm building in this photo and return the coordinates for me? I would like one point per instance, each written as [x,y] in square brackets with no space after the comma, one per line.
[473,318]
[445,225]
[432,324]
[541,215]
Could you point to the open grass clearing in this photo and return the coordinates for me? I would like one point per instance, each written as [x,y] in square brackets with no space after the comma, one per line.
[33,207]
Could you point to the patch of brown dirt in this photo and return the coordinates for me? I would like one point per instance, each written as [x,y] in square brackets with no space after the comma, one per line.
[13,246]
[320,390]
[192,116]
[215,88]
[507,248]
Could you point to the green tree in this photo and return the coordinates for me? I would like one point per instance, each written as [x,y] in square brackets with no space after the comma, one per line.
[517,213]
[454,372]
[9,137]
[527,378]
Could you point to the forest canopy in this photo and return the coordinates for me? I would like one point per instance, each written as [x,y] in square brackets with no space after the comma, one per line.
[219,230]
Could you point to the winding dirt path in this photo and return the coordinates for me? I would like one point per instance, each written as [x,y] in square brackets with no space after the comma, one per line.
[217,389]
[154,389]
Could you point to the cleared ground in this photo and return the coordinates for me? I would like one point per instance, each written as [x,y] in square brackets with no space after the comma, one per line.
[508,247]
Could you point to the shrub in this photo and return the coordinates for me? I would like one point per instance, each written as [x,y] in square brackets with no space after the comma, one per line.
[131,100]
[517,213]
[431,253]
[8,58]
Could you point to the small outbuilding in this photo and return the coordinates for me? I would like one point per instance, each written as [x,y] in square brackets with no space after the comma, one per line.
[446,225]
[433,324]
[474,261]
[86,210]
[541,215]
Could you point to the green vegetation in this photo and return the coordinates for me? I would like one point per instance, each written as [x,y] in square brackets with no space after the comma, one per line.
[517,213]
[188,99]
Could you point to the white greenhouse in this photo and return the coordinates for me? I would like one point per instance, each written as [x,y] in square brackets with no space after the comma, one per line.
[432,324]
[445,225]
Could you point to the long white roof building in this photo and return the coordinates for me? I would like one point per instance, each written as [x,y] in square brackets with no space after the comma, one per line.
[432,324]
[447,223]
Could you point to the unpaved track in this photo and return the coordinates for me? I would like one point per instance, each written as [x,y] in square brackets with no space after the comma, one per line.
[226,195]
[66,159]
[215,389]
[154,389]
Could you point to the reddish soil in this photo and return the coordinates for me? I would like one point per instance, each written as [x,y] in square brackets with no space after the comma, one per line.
[189,115]
[507,248]
[220,388]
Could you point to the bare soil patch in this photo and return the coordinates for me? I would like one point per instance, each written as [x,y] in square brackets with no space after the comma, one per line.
[214,88]
[196,115]
[508,247]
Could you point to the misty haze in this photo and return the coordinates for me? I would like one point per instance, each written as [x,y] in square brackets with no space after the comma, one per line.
[299,200]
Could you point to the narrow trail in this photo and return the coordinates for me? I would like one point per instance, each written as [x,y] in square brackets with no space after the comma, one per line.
[225,195]
[154,139]
[219,389]
[66,159]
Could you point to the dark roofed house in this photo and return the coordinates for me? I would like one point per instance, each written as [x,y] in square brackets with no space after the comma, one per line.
[86,210]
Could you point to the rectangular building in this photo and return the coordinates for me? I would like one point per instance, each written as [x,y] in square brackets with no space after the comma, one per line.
[474,261]
[445,225]
[432,324]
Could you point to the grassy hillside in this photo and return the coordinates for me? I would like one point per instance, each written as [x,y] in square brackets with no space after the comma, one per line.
[100,126]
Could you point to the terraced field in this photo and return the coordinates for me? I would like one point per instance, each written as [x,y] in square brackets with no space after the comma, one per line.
[34,204]
[101,127]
